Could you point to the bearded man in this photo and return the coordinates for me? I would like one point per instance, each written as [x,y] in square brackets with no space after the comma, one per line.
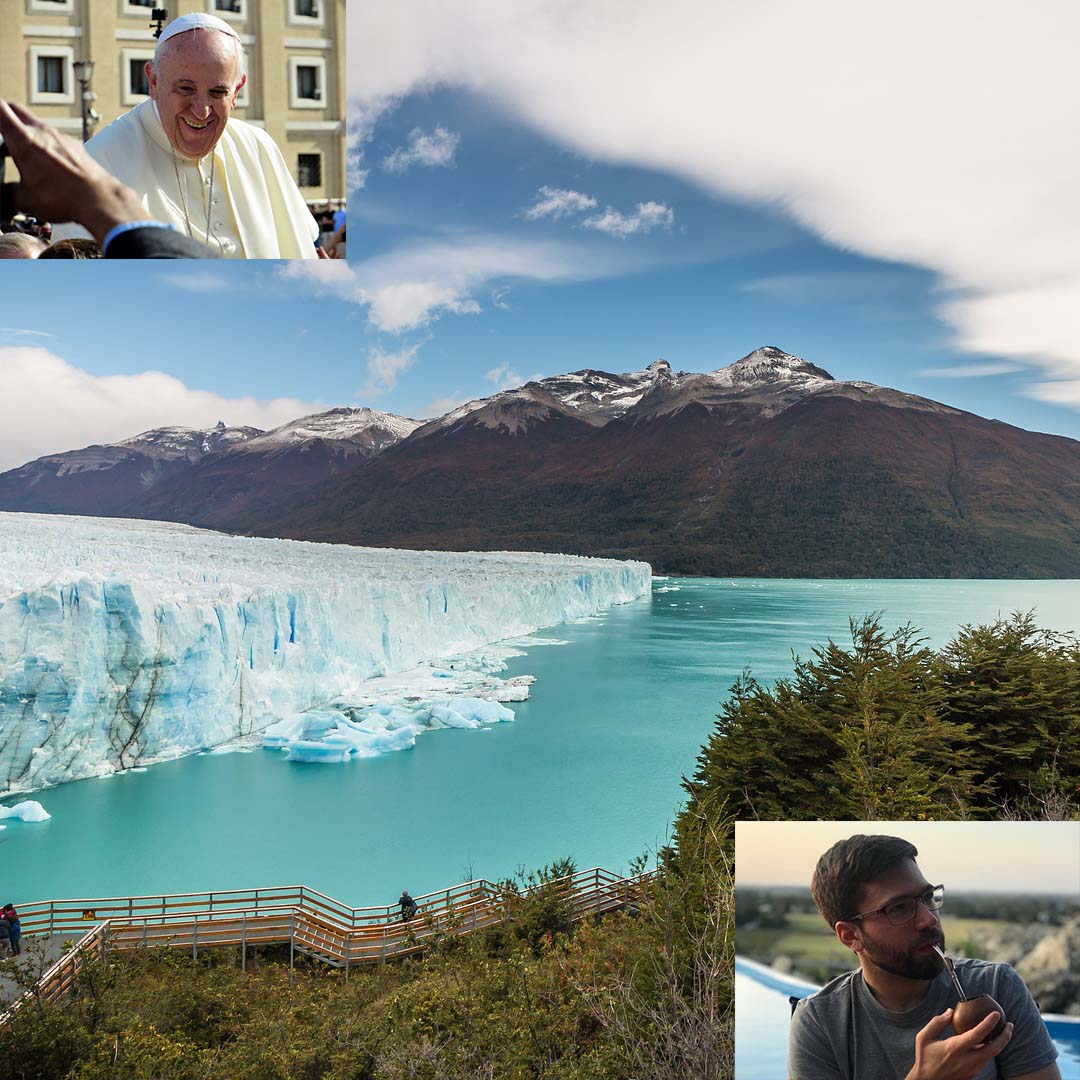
[218,180]
[891,1019]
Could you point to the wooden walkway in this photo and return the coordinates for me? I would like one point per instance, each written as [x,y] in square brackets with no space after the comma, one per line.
[309,922]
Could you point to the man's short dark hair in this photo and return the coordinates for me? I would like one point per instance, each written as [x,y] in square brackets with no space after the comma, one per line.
[850,864]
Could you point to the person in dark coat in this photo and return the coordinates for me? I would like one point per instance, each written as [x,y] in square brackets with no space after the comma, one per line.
[5,938]
[11,917]
[409,907]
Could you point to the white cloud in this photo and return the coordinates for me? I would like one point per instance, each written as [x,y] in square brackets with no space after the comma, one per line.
[434,151]
[14,331]
[647,216]
[48,405]
[1060,392]
[970,371]
[335,277]
[942,150]
[384,369]
[557,203]
[498,297]
[406,305]
[504,377]
[419,282]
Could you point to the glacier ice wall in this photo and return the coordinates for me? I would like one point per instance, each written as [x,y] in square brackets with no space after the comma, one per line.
[128,642]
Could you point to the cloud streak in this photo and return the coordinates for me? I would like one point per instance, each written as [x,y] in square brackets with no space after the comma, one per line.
[419,282]
[557,203]
[647,216]
[385,368]
[504,377]
[971,371]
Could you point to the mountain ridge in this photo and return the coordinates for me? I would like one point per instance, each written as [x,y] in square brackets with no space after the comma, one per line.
[766,467]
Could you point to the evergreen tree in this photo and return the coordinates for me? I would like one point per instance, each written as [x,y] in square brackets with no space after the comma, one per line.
[1018,688]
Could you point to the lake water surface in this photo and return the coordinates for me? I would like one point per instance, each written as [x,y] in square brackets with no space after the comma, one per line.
[590,768]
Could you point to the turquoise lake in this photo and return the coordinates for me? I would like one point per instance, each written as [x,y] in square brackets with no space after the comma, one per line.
[590,768]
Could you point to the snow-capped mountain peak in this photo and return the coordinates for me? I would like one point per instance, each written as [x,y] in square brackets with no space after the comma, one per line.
[369,426]
[192,443]
[770,366]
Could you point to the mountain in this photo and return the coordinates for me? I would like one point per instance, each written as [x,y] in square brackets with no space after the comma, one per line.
[201,477]
[103,479]
[271,470]
[766,467]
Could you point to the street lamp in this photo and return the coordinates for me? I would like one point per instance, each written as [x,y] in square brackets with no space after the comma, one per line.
[84,72]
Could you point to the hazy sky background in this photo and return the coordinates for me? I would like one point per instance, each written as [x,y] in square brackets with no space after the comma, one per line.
[992,856]
[540,186]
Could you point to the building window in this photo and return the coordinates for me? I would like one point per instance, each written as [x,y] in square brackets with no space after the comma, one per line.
[138,84]
[141,8]
[231,9]
[51,7]
[307,82]
[134,86]
[52,79]
[305,12]
[309,170]
[50,74]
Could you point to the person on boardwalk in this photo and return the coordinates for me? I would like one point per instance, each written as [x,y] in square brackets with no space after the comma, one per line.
[11,917]
[409,906]
[5,938]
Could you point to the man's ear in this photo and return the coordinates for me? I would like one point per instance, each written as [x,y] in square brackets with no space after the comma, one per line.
[239,86]
[849,935]
[151,78]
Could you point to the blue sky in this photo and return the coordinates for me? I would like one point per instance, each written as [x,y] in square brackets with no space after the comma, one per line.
[859,195]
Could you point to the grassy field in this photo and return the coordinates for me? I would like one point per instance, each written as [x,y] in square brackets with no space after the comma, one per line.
[807,941]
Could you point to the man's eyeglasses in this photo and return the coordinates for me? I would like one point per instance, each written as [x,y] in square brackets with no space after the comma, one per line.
[903,910]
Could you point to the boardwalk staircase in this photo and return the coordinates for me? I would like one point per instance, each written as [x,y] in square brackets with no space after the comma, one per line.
[308,922]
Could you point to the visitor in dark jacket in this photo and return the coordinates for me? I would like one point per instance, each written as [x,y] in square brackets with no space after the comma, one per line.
[11,917]
[408,906]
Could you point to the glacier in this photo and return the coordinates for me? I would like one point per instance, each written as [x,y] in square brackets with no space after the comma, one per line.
[124,643]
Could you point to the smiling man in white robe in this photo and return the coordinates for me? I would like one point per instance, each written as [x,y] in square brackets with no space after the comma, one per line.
[218,180]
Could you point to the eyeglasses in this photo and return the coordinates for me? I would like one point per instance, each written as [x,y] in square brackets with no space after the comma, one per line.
[903,910]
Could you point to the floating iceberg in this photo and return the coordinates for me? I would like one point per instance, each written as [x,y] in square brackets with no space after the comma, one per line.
[123,643]
[26,811]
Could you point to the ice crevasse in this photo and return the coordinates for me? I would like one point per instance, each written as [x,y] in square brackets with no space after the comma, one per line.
[128,642]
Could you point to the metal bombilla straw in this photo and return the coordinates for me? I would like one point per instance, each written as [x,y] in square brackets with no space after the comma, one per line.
[947,960]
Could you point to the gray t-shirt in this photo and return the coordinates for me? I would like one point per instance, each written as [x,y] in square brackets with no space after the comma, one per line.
[844,1033]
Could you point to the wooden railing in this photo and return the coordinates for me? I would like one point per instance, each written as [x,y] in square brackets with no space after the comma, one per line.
[60,977]
[306,920]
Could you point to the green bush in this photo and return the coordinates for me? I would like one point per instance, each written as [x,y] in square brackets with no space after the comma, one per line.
[886,729]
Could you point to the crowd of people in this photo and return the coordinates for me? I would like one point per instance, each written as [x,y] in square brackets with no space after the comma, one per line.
[24,237]
[331,222]
[30,239]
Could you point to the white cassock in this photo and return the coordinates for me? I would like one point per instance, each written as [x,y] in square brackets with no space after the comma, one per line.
[256,210]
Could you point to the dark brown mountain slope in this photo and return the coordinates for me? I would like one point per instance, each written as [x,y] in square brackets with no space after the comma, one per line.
[839,482]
